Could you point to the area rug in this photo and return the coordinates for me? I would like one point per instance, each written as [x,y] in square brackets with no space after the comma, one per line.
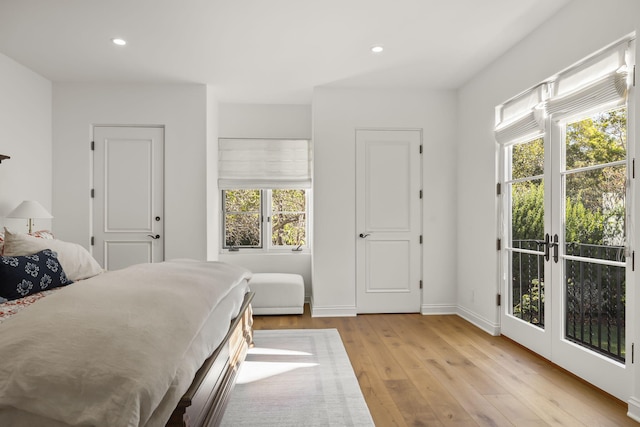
[297,377]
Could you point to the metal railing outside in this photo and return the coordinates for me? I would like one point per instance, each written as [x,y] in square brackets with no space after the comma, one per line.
[594,294]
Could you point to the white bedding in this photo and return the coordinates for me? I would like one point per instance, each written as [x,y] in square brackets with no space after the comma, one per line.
[140,341]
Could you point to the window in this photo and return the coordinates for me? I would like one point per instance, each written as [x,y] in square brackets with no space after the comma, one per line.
[265,187]
[265,219]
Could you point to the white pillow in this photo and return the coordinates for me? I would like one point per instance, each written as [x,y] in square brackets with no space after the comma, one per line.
[76,261]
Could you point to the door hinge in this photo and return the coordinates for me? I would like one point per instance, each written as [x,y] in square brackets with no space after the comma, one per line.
[421,239]
[420,284]
[498,189]
[633,78]
[93,241]
[93,193]
[93,145]
[499,300]
[498,244]
[633,168]
[632,352]
[633,260]
[420,148]
[421,194]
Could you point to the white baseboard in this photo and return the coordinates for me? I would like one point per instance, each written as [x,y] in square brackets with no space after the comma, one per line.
[434,309]
[332,311]
[482,323]
[634,409]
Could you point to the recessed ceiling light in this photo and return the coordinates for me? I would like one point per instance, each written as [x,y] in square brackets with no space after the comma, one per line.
[119,42]
[377,49]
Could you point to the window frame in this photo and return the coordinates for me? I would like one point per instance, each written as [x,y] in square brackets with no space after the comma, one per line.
[266,231]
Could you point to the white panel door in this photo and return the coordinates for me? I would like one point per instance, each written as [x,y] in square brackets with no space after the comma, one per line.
[389,212]
[128,169]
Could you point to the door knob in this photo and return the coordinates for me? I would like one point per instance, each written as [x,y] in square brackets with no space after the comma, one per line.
[362,235]
[157,236]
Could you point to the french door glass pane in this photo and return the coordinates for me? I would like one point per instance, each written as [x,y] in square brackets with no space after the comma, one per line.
[595,213]
[595,232]
[527,287]
[527,160]
[595,308]
[527,232]
[598,139]
[527,214]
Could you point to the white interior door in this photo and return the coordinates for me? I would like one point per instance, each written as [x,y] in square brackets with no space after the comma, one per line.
[389,212]
[128,217]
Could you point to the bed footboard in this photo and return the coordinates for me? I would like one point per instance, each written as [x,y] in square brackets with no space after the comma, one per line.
[204,402]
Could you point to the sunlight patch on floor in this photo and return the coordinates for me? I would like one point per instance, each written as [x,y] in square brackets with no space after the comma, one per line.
[276,352]
[251,370]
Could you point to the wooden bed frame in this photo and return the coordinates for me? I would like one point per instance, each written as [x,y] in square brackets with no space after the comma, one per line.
[205,401]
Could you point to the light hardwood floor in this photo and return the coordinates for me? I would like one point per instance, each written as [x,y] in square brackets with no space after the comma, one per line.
[419,370]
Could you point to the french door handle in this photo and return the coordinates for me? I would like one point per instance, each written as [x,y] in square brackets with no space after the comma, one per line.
[157,236]
[555,248]
[547,239]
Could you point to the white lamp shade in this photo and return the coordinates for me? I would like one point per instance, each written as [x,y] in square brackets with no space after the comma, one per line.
[29,209]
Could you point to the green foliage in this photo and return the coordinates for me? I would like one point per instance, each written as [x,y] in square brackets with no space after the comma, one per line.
[599,139]
[594,219]
[527,159]
[289,217]
[243,217]
[527,217]
[582,225]
[531,305]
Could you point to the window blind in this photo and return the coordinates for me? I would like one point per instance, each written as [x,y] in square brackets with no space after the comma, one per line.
[521,118]
[264,163]
[608,90]
[597,82]
[527,127]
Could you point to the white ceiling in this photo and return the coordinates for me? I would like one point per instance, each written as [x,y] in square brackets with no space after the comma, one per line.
[267,51]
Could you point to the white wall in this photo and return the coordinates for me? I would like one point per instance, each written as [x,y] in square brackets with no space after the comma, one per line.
[213,201]
[181,109]
[25,135]
[267,121]
[336,115]
[578,30]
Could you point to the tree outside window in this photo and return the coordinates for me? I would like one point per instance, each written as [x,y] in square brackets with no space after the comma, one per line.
[251,214]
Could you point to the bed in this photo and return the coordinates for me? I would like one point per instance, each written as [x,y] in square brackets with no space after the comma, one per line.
[149,345]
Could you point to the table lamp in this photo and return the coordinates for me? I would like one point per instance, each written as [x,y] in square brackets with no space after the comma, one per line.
[29,209]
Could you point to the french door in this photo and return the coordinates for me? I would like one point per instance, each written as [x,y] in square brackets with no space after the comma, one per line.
[565,228]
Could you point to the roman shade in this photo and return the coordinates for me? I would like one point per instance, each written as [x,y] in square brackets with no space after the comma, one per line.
[600,81]
[264,163]
[521,118]
[609,90]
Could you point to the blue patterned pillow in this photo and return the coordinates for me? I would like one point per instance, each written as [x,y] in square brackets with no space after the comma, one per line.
[25,275]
